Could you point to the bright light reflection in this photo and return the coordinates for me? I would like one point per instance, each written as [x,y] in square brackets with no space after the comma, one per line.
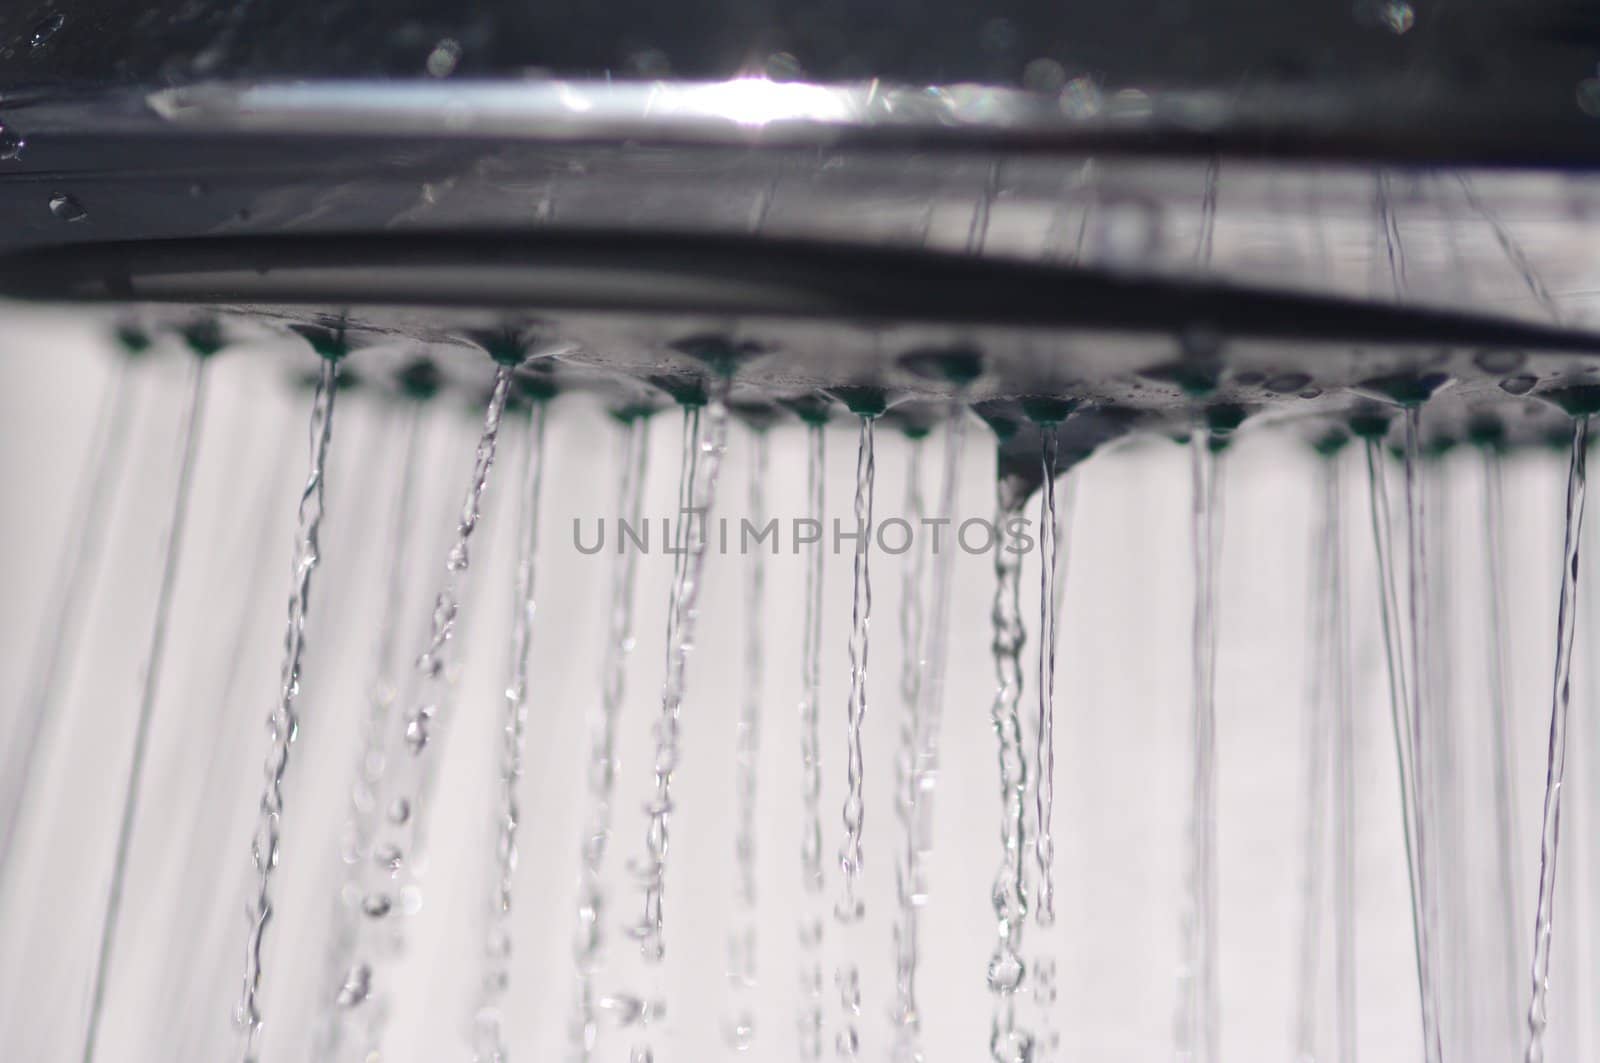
[757,101]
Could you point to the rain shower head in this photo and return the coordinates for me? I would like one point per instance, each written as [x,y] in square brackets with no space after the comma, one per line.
[615,311]
[1242,228]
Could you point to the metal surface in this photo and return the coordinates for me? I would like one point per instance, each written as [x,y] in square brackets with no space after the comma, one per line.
[1090,198]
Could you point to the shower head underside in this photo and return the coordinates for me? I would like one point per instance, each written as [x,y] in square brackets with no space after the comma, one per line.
[842,237]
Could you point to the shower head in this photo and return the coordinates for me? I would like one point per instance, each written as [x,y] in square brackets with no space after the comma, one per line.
[1142,246]
[618,313]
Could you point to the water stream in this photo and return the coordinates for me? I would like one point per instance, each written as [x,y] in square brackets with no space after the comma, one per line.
[1425,819]
[1009,1041]
[192,419]
[1197,1033]
[1504,753]
[1555,772]
[593,889]
[809,1020]
[1399,703]
[851,906]
[488,1036]
[69,588]
[349,951]
[391,887]
[935,646]
[1344,775]
[1045,754]
[739,1030]
[1318,726]
[649,931]
[908,886]
[383,691]
[284,723]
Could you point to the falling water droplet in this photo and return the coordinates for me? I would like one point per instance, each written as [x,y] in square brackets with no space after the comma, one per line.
[740,1033]
[357,986]
[406,779]
[377,905]
[66,208]
[1010,1045]
[1006,971]
[416,733]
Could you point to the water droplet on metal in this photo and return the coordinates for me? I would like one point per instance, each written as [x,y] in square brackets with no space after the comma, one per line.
[1044,75]
[1081,97]
[1397,15]
[46,29]
[1588,96]
[1518,385]
[1287,382]
[781,66]
[444,57]
[1499,363]
[66,208]
[11,143]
